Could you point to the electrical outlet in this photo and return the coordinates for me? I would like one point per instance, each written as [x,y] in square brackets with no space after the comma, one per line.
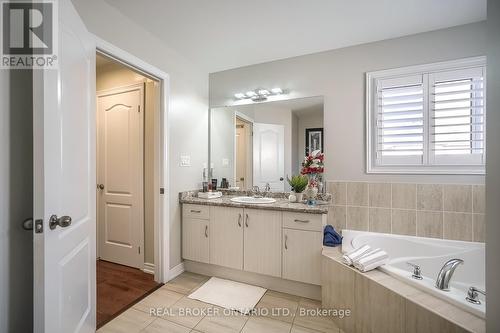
[185,160]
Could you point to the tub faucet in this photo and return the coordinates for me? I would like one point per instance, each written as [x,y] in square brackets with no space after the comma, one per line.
[446,272]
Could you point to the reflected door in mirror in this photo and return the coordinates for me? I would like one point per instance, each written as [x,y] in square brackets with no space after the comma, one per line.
[268,156]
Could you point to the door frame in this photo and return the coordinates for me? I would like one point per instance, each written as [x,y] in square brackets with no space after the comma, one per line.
[162,272]
[249,158]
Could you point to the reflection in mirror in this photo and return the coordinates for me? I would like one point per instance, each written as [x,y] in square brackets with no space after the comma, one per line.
[260,144]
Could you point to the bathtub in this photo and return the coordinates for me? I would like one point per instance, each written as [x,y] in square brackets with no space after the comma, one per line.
[430,254]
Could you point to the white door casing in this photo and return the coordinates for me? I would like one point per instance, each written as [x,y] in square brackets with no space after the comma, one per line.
[120,170]
[269,156]
[64,182]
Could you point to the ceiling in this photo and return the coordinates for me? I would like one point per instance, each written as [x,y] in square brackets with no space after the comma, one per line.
[217,35]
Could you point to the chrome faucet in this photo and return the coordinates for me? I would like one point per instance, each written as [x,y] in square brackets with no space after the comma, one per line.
[256,191]
[446,272]
[472,295]
[267,188]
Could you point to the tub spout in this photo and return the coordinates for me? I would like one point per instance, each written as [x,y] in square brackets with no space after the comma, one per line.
[446,272]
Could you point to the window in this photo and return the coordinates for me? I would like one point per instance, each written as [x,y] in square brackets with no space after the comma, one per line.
[428,118]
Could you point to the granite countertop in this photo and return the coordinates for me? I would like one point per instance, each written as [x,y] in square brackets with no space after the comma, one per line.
[280,204]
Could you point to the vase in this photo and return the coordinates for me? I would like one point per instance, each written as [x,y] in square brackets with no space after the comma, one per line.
[312,189]
[300,196]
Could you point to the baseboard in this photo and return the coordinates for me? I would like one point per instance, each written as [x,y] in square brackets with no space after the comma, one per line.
[265,281]
[148,268]
[176,271]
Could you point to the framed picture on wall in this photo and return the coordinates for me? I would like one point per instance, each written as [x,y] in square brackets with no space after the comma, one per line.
[314,139]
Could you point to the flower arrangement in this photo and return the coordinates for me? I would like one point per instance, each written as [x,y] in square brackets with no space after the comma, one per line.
[313,167]
[313,163]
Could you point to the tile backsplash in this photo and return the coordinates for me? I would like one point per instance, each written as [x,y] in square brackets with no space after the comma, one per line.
[446,211]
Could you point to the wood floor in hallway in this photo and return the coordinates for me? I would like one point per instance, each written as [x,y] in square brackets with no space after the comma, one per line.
[118,288]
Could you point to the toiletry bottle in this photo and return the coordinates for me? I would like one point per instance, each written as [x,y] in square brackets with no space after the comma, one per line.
[205,181]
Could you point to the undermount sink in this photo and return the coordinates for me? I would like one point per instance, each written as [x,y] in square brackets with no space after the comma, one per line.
[253,200]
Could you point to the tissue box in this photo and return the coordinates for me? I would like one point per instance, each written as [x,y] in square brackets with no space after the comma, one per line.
[209,195]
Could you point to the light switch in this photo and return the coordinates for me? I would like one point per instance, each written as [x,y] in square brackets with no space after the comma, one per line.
[185,160]
[225,162]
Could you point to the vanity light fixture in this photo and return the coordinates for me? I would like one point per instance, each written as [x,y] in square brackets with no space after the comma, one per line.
[259,95]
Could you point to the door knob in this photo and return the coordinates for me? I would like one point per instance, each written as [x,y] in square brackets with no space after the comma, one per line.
[100,187]
[63,221]
[281,179]
[28,224]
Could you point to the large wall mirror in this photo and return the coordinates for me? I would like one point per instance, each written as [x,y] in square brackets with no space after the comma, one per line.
[259,144]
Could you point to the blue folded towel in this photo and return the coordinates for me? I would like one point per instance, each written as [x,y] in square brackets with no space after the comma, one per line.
[331,237]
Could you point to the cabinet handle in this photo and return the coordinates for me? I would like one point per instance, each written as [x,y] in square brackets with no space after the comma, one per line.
[239,220]
[246,220]
[301,221]
[206,231]
[286,242]
[195,211]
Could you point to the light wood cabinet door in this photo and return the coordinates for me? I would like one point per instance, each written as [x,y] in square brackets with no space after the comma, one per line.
[302,255]
[262,242]
[195,239]
[226,237]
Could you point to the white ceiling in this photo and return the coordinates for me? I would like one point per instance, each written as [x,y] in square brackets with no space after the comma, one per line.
[222,34]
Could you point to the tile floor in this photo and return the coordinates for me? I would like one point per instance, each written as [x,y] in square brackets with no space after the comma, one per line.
[171,300]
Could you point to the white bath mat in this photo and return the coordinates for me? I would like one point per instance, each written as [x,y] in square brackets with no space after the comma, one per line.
[229,294]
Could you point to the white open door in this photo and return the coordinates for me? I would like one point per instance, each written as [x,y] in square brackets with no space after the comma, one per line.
[64,167]
[268,156]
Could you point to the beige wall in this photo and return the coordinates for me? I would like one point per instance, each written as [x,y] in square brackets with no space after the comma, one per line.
[115,75]
[188,100]
[339,76]
[492,170]
[313,120]
[16,200]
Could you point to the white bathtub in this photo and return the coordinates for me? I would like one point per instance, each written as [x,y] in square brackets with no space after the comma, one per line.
[430,254]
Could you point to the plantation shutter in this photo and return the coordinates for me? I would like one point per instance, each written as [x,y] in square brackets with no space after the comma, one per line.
[399,121]
[457,117]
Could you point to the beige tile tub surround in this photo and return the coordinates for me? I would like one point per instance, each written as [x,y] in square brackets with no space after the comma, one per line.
[357,194]
[381,303]
[448,211]
[429,224]
[430,197]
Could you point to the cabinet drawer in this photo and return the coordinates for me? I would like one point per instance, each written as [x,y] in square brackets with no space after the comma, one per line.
[303,221]
[195,211]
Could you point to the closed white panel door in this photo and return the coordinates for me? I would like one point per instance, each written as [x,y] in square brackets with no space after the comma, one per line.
[120,175]
[269,156]
[262,242]
[64,179]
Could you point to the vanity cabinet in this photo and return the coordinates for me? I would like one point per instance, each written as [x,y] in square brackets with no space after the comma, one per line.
[262,242]
[282,244]
[195,235]
[302,255]
[226,237]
